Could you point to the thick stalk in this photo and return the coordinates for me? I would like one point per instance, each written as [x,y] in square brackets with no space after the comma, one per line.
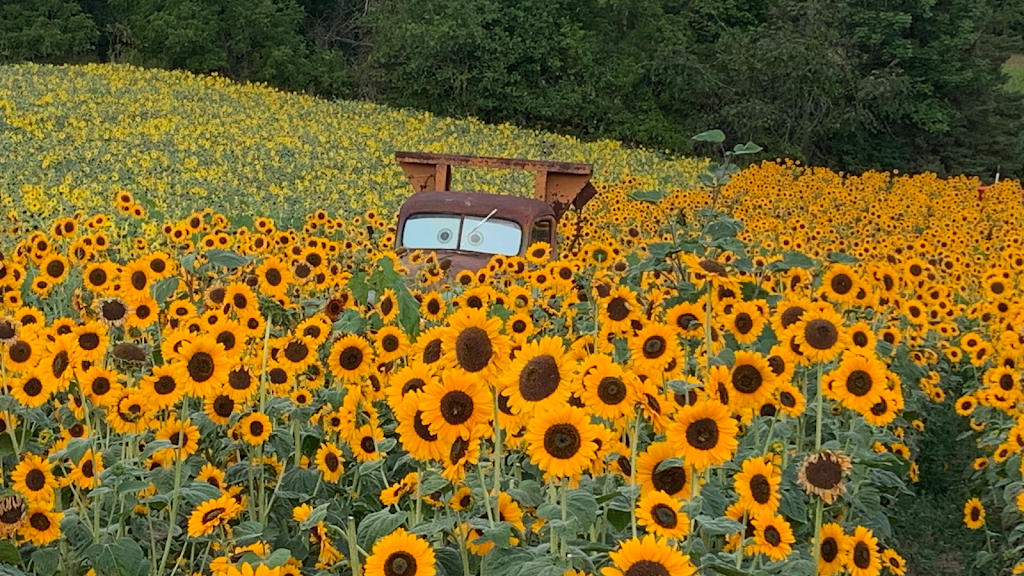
[487,497]
[498,457]
[634,433]
[353,548]
[821,402]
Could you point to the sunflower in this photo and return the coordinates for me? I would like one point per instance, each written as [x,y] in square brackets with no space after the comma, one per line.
[560,440]
[204,366]
[519,327]
[364,442]
[413,432]
[894,562]
[112,311]
[55,367]
[648,557]
[820,334]
[751,380]
[391,343]
[654,473]
[241,299]
[653,347]
[773,536]
[131,412]
[88,468]
[31,389]
[822,474]
[462,500]
[34,480]
[387,306]
[687,317]
[857,382]
[609,390]
[791,400]
[42,525]
[413,378]
[211,475]
[758,486]
[90,341]
[243,384]
[617,310]
[255,428]
[274,277]
[460,454]
[704,434]
[974,514]
[661,515]
[183,436]
[400,554]
[745,322]
[212,513]
[13,512]
[539,374]
[350,358]
[455,405]
[26,350]
[832,549]
[294,353]
[473,343]
[329,462]
[219,408]
[840,284]
[163,386]
[862,557]
[862,338]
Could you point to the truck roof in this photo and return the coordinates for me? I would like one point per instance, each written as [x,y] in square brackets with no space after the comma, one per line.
[518,208]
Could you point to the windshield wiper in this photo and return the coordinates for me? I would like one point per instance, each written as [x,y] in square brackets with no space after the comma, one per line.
[482,222]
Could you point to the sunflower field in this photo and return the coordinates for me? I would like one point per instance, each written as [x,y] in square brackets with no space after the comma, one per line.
[214,362]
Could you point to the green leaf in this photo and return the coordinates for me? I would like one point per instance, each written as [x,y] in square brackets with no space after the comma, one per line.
[44,561]
[226,258]
[582,506]
[278,558]
[727,570]
[377,525]
[669,463]
[359,287]
[164,289]
[9,553]
[724,228]
[318,514]
[714,136]
[122,557]
[719,526]
[748,148]
[650,196]
[448,561]
[843,258]
[248,529]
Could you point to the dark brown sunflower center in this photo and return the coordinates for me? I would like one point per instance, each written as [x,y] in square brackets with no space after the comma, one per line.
[55,269]
[685,320]
[859,383]
[433,306]
[456,407]
[350,358]
[539,378]
[860,339]
[422,430]
[400,564]
[33,387]
[40,521]
[824,473]
[702,434]
[223,406]
[975,514]
[139,280]
[669,480]
[296,351]
[240,301]
[503,404]
[165,385]
[458,450]
[747,379]
[821,334]
[647,568]
[87,341]
[862,555]
[273,277]
[1006,382]
[519,326]
[60,364]
[664,516]
[879,408]
[829,549]
[562,441]
[212,515]
[201,367]
[841,284]
[791,316]
[368,445]
[113,310]
[98,277]
[654,347]
[20,352]
[331,461]
[256,428]
[13,514]
[432,351]
[473,349]
[760,489]
[239,379]
[227,340]
[611,390]
[390,343]
[35,480]
[413,385]
[387,305]
[713,267]
[772,536]
[618,309]
[744,323]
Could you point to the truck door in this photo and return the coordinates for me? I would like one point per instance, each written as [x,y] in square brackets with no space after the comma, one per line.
[543,230]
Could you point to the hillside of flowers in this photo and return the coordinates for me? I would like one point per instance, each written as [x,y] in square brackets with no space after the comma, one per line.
[215,362]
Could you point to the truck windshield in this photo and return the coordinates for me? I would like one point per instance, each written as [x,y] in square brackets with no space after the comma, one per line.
[468,233]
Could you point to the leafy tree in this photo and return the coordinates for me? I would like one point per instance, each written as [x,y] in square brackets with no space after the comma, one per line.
[44,30]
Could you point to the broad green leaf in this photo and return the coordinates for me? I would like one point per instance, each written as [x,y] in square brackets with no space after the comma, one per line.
[164,289]
[714,136]
[44,561]
[9,554]
[650,196]
[122,557]
[226,258]
[377,525]
[748,148]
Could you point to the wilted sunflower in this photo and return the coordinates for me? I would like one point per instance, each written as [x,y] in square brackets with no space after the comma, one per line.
[661,515]
[455,405]
[539,375]
[33,478]
[560,440]
[350,358]
[212,513]
[648,557]
[401,554]
[704,434]
[112,311]
[822,474]
[329,462]
[863,558]
[974,514]
[473,343]
[13,512]
[757,485]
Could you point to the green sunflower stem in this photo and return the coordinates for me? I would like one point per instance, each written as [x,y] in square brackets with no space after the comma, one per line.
[487,497]
[419,501]
[821,403]
[353,547]
[739,547]
[819,506]
[634,433]
[707,332]
[183,416]
[497,447]
[565,516]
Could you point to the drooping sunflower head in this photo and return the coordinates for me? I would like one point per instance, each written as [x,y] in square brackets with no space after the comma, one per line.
[822,474]
[13,512]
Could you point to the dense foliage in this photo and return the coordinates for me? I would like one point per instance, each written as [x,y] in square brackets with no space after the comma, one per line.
[853,85]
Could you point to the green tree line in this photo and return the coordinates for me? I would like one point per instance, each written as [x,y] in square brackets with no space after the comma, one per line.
[914,85]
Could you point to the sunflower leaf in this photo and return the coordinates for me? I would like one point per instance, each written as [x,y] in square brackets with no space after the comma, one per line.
[669,463]
[226,258]
[164,289]
[378,524]
[122,557]
[719,526]
[9,555]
